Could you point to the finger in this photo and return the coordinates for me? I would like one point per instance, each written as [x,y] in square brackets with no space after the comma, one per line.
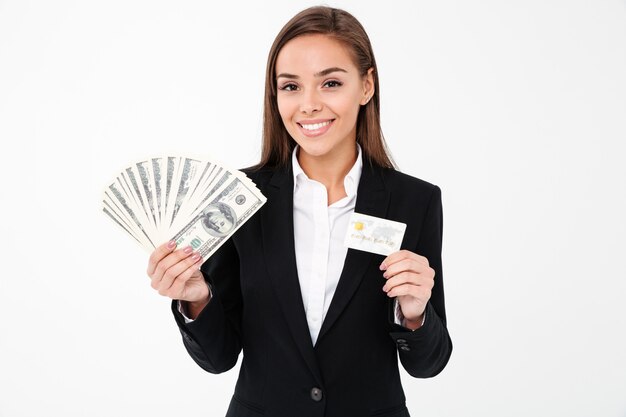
[177,290]
[158,254]
[392,258]
[407,264]
[166,263]
[400,255]
[401,279]
[416,291]
[176,270]
[409,278]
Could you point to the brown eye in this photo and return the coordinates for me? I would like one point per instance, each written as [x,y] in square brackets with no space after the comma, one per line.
[332,84]
[288,87]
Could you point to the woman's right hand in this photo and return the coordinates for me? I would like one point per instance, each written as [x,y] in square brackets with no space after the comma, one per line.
[175,273]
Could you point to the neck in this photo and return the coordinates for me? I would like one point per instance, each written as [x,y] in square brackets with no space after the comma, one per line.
[329,170]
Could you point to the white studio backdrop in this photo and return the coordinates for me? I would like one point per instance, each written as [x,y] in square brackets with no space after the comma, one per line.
[517,109]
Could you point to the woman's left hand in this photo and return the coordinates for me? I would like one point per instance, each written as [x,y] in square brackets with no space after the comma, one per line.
[411,280]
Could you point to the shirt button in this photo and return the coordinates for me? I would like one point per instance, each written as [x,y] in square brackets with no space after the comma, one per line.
[316,394]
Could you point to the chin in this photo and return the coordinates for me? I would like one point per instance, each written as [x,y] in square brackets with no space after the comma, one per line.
[315,149]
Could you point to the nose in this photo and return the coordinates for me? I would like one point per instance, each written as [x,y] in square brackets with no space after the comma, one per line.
[311,102]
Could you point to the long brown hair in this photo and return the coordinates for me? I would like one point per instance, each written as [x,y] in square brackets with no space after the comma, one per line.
[342,26]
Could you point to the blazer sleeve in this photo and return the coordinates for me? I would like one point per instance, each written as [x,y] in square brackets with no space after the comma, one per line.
[213,339]
[425,352]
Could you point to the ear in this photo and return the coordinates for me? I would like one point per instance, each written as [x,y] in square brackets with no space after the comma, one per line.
[368,86]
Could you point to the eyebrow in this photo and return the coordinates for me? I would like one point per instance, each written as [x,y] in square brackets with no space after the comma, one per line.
[317,74]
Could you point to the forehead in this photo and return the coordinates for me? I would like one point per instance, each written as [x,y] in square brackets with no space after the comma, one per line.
[312,53]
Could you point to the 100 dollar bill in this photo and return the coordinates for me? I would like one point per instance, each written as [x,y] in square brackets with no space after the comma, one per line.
[220,218]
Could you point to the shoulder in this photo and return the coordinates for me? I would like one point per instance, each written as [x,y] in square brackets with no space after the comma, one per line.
[399,182]
[262,176]
[258,173]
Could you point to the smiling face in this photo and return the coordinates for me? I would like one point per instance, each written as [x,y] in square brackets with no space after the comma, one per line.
[319,93]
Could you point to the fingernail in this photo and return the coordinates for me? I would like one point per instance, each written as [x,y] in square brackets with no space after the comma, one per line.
[188,249]
[195,257]
[171,244]
[383,266]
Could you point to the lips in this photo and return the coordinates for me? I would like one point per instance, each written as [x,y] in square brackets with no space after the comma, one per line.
[315,127]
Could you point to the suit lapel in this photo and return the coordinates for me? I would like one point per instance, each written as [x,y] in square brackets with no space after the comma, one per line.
[372,199]
[279,251]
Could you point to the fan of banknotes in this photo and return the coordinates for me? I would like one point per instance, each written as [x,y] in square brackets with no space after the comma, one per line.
[193,202]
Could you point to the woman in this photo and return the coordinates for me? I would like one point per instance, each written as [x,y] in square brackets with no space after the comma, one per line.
[320,326]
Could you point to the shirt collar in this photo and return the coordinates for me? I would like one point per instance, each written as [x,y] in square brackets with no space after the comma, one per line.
[350,182]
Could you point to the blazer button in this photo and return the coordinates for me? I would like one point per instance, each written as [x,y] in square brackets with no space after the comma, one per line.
[400,341]
[316,394]
[405,348]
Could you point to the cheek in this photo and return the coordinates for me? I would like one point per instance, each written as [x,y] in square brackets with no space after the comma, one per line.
[285,108]
[348,107]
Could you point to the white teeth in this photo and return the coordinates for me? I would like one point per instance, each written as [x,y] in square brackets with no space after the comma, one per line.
[315,126]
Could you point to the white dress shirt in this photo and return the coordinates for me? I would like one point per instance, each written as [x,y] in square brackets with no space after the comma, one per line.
[319,232]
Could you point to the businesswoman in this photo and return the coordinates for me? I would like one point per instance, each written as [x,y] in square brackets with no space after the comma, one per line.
[321,326]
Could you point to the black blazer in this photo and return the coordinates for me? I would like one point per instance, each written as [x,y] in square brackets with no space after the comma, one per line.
[257,306]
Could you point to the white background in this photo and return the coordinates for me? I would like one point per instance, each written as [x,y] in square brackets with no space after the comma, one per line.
[517,109]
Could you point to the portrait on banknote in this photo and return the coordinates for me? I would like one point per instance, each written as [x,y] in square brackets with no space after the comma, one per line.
[218,219]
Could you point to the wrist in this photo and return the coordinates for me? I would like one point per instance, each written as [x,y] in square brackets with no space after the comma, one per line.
[194,308]
[415,323]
